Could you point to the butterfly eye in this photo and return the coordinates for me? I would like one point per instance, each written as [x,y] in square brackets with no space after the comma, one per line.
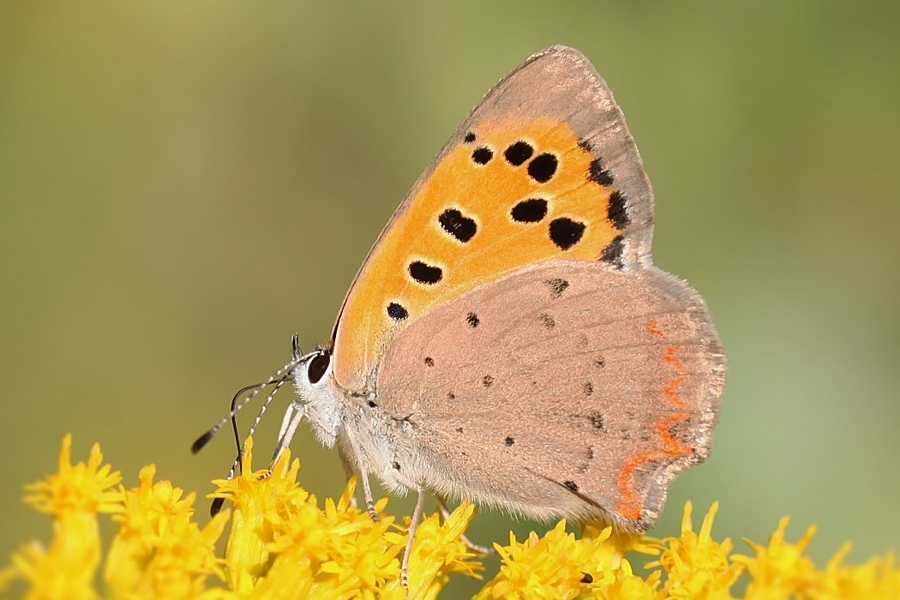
[318,366]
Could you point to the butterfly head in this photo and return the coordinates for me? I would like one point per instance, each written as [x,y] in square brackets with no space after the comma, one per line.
[318,399]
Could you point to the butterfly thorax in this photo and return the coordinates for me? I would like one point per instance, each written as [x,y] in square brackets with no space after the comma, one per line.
[364,432]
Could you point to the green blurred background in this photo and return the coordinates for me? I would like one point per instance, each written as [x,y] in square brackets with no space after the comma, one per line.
[183,185]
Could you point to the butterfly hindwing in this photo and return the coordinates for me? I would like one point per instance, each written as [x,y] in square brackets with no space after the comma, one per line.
[543,168]
[565,388]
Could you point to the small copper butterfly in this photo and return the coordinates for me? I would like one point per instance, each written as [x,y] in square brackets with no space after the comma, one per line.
[508,339]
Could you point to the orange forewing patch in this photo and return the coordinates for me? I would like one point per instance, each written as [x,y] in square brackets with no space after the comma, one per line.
[485,193]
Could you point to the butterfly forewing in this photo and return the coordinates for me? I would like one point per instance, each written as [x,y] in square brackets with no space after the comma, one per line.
[543,168]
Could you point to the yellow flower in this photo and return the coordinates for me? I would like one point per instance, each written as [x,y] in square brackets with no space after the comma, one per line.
[558,565]
[159,551]
[696,565]
[73,496]
[282,544]
[439,551]
[782,570]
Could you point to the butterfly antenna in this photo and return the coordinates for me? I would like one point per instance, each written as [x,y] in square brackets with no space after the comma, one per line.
[217,503]
[256,421]
[278,378]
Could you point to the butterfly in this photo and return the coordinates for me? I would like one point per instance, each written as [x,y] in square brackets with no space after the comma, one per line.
[508,339]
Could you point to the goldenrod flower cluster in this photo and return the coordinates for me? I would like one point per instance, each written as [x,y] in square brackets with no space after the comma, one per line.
[283,544]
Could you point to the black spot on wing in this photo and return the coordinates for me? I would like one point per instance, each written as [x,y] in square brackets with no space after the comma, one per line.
[565,233]
[543,167]
[473,320]
[532,210]
[617,212]
[424,273]
[397,312]
[614,252]
[483,155]
[518,153]
[458,225]
[470,137]
[557,286]
[599,175]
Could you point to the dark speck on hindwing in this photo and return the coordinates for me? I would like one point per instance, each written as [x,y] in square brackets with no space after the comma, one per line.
[557,286]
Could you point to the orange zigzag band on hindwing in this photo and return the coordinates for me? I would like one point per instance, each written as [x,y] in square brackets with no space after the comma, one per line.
[630,505]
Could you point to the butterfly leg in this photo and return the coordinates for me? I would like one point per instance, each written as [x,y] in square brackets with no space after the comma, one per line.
[413,526]
[445,513]
[363,473]
[367,494]
[292,418]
